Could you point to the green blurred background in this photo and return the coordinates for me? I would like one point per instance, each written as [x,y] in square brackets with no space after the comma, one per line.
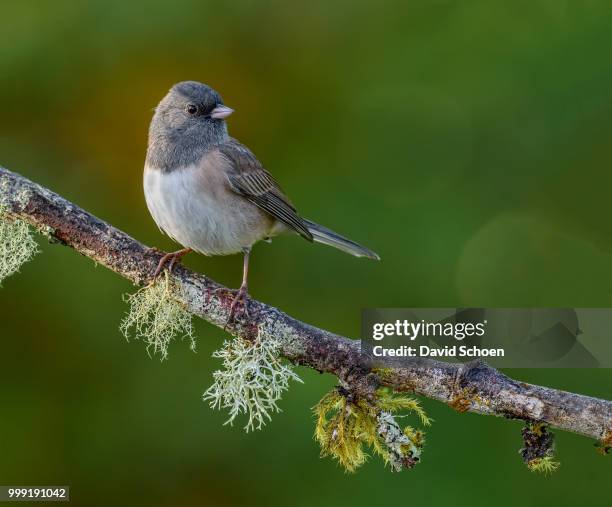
[469,143]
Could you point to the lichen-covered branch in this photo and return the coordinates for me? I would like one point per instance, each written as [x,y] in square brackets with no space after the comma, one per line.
[473,387]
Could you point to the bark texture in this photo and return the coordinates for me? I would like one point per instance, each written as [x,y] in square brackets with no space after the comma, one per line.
[473,387]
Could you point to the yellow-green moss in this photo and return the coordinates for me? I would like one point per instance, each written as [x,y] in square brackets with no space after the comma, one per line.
[345,426]
[538,453]
[545,465]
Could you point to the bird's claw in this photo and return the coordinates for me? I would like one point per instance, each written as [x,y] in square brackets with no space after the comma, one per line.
[171,256]
[241,297]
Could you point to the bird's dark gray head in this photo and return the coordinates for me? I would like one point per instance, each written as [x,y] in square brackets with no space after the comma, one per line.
[188,121]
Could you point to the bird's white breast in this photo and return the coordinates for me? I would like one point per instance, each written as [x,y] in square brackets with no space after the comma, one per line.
[195,207]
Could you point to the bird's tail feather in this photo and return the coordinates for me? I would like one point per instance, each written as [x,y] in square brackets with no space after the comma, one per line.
[326,236]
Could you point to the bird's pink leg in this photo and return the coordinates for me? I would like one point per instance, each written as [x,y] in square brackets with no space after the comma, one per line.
[242,294]
[172,257]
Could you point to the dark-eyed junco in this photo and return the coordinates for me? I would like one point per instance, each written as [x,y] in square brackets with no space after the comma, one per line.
[208,192]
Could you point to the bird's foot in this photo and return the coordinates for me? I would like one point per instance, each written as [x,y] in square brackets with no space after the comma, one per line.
[171,257]
[241,298]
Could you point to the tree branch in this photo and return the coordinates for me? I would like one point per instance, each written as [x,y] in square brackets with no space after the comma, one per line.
[473,387]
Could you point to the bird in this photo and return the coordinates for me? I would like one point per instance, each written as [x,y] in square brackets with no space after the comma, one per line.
[209,193]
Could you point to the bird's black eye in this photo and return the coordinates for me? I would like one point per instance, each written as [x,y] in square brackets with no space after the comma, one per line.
[192,108]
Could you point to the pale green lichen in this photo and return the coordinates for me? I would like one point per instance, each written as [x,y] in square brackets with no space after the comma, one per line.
[17,245]
[252,381]
[345,425]
[156,316]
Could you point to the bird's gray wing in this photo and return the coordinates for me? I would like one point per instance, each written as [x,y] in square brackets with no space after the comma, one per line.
[248,178]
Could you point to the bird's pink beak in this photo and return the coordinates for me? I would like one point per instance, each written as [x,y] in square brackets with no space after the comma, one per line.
[220,112]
